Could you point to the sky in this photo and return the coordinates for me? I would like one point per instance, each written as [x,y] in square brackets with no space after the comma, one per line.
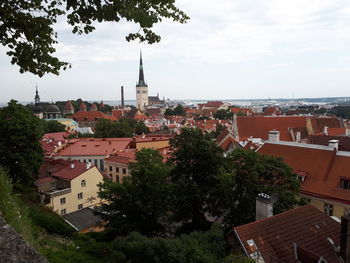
[230,49]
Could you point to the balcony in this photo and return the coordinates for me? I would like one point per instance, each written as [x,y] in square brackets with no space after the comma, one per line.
[58,192]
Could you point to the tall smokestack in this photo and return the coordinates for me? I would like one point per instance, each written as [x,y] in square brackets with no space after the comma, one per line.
[122,91]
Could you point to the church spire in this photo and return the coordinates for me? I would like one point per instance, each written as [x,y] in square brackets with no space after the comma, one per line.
[141,75]
[36,98]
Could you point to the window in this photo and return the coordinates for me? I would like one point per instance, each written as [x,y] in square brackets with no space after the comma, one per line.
[138,92]
[83,183]
[80,196]
[328,209]
[110,168]
[80,206]
[63,211]
[124,171]
[345,183]
[63,200]
[117,178]
[95,162]
[102,166]
[144,91]
[117,169]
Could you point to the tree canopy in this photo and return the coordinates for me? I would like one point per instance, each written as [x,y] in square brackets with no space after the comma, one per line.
[27,27]
[140,202]
[20,150]
[122,128]
[52,126]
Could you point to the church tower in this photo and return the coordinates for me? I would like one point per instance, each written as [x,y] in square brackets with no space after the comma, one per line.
[36,98]
[141,89]
[38,110]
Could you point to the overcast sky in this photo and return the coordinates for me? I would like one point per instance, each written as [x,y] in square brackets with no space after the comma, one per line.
[230,49]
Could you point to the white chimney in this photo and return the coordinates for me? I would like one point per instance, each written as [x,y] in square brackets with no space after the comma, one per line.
[88,165]
[59,143]
[325,130]
[274,136]
[264,206]
[72,165]
[298,137]
[333,144]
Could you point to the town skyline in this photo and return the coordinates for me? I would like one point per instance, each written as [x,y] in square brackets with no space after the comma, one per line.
[240,50]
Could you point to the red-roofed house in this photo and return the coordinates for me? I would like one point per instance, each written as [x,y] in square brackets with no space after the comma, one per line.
[68,186]
[68,108]
[322,171]
[242,111]
[93,150]
[117,165]
[227,141]
[89,118]
[300,235]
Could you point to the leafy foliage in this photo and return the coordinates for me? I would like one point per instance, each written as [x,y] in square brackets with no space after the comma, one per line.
[122,128]
[52,126]
[140,202]
[246,175]
[341,111]
[179,110]
[223,114]
[27,27]
[197,163]
[20,150]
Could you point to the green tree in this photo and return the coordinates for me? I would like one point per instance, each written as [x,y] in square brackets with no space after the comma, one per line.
[223,114]
[248,174]
[140,202]
[27,27]
[197,164]
[20,150]
[52,126]
[168,112]
[179,110]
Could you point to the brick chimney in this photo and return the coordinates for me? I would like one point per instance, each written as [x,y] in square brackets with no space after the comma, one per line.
[274,136]
[298,137]
[264,205]
[325,130]
[333,144]
[345,237]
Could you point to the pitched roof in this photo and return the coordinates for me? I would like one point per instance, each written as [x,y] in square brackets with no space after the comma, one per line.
[259,126]
[90,116]
[344,141]
[336,131]
[324,167]
[68,106]
[213,104]
[306,226]
[94,146]
[82,106]
[123,157]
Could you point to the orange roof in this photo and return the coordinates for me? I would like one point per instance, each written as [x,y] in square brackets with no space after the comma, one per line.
[123,157]
[323,165]
[214,104]
[246,111]
[305,226]
[82,106]
[336,131]
[68,106]
[99,147]
[259,126]
[90,116]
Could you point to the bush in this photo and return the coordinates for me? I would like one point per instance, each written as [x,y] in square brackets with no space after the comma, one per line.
[50,221]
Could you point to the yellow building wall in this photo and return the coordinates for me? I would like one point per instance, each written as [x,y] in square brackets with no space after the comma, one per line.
[152,144]
[338,209]
[92,177]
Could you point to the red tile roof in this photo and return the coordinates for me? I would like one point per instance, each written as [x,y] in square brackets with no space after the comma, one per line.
[344,141]
[68,106]
[93,107]
[60,169]
[123,157]
[306,226]
[258,126]
[323,165]
[82,106]
[336,131]
[90,116]
[213,104]
[98,147]
[57,136]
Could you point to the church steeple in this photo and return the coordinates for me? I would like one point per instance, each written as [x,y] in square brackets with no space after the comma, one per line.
[36,98]
[142,81]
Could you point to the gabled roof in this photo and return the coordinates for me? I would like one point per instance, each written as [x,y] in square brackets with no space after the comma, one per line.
[306,226]
[213,104]
[323,165]
[68,106]
[336,131]
[123,157]
[259,126]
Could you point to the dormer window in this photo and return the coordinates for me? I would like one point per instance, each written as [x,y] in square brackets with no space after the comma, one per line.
[301,176]
[344,183]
